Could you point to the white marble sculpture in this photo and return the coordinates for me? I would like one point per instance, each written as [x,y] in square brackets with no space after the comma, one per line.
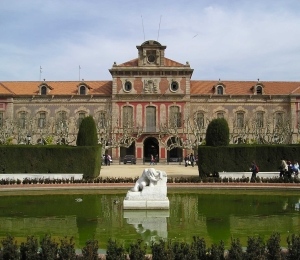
[149,191]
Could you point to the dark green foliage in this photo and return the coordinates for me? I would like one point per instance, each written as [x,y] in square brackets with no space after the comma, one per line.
[10,249]
[161,250]
[216,252]
[114,251]
[66,250]
[90,250]
[29,249]
[199,246]
[235,251]
[49,248]
[293,247]
[238,158]
[255,249]
[273,247]
[184,251]
[137,251]
[217,133]
[87,133]
[39,159]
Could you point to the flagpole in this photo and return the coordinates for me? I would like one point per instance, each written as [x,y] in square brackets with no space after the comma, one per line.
[40,73]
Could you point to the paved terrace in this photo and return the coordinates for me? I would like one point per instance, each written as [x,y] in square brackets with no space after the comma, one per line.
[172,170]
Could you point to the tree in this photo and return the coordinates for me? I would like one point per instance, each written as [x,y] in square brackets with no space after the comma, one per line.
[87,134]
[217,133]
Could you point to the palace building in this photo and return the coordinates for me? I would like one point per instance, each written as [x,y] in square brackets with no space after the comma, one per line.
[151,105]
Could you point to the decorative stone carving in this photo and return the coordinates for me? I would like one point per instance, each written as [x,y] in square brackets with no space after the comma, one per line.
[149,191]
[150,86]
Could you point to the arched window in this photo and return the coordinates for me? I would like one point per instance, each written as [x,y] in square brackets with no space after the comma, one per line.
[259,90]
[279,120]
[43,90]
[151,119]
[61,119]
[102,120]
[127,86]
[220,90]
[82,90]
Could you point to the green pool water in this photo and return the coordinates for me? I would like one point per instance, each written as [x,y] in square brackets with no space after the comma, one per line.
[212,214]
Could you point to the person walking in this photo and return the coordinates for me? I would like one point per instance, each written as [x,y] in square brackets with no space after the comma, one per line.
[152,160]
[192,159]
[254,170]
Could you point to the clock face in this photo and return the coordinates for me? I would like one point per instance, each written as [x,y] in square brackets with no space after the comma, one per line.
[151,58]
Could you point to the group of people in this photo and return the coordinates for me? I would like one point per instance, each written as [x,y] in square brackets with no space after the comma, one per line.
[106,159]
[190,160]
[287,168]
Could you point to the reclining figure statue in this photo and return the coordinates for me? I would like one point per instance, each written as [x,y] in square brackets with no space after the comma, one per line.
[149,177]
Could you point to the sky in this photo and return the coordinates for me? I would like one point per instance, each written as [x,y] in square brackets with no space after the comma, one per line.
[221,39]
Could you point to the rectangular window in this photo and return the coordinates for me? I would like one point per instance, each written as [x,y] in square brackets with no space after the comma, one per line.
[42,120]
[240,120]
[1,119]
[200,120]
[127,117]
[102,120]
[220,115]
[175,117]
[81,116]
[150,119]
[62,119]
[22,120]
[279,119]
[260,119]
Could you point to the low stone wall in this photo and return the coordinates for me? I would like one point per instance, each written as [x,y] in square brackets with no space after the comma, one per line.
[236,175]
[22,176]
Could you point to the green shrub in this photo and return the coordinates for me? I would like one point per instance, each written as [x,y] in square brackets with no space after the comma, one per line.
[293,247]
[273,247]
[87,133]
[90,250]
[10,250]
[161,250]
[49,248]
[216,252]
[114,251]
[66,250]
[29,249]
[182,250]
[217,133]
[235,251]
[255,249]
[199,246]
[137,251]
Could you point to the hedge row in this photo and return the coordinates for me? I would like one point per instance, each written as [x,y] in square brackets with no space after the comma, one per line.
[49,248]
[238,158]
[51,159]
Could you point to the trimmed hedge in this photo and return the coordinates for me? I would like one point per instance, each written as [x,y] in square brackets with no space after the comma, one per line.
[51,159]
[238,158]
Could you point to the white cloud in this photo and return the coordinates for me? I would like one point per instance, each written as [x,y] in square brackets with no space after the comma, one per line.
[238,40]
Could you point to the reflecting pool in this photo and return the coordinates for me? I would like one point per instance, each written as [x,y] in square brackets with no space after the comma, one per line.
[212,214]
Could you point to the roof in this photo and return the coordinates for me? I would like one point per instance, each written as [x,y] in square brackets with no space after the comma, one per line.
[56,87]
[167,63]
[201,87]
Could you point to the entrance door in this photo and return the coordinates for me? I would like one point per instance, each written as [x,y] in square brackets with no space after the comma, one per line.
[151,147]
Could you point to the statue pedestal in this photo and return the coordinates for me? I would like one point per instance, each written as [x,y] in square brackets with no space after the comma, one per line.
[151,197]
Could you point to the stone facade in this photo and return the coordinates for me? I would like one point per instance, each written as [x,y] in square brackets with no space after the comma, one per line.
[153,104]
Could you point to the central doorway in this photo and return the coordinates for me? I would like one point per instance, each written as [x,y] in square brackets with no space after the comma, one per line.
[151,147]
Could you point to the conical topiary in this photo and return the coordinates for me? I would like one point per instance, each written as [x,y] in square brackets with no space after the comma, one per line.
[87,134]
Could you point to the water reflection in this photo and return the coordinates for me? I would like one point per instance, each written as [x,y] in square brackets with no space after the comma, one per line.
[214,217]
[150,224]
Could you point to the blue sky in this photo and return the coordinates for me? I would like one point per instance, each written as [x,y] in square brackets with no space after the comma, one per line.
[226,39]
